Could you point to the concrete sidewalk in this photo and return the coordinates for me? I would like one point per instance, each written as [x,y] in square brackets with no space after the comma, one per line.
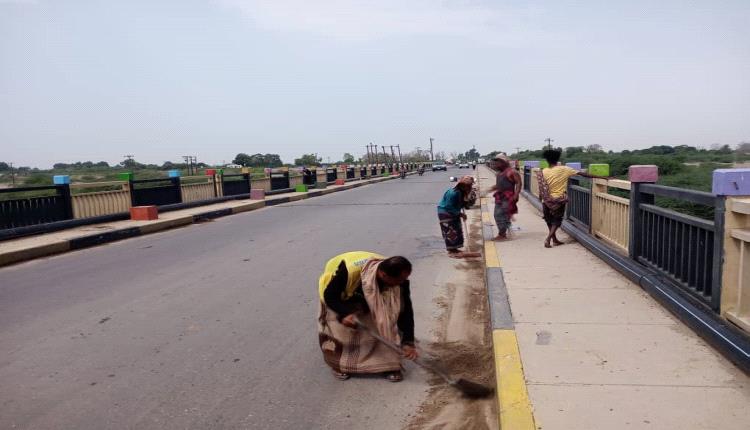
[598,352]
[41,245]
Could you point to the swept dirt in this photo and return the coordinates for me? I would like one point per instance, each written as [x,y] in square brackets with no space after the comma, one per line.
[463,348]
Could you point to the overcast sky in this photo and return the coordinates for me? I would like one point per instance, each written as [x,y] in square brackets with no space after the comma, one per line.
[94,80]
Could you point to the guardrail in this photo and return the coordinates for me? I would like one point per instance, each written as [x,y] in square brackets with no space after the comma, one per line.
[32,210]
[235,184]
[579,201]
[199,191]
[685,248]
[21,207]
[610,213]
[87,205]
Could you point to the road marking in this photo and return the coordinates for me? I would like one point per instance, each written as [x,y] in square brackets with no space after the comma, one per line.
[512,397]
[486,217]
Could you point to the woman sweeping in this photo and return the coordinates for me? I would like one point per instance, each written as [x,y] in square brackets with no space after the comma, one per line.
[553,187]
[374,290]
[450,214]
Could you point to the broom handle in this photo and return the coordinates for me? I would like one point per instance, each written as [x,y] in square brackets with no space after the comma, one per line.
[398,349]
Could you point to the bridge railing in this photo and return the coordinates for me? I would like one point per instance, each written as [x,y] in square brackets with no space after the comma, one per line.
[704,254]
[28,206]
[579,201]
[685,248]
[98,203]
[610,212]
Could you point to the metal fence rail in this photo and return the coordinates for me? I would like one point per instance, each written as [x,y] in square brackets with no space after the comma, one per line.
[33,210]
[579,202]
[157,192]
[236,184]
[279,180]
[684,248]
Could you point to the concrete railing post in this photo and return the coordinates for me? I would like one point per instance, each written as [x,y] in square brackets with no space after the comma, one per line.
[127,177]
[638,175]
[62,183]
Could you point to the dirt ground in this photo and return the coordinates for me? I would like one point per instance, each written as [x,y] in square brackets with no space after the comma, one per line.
[462,347]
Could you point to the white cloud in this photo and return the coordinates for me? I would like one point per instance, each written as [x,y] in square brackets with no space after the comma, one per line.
[359,20]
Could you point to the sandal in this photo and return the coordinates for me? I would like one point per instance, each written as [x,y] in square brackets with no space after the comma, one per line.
[341,376]
[396,376]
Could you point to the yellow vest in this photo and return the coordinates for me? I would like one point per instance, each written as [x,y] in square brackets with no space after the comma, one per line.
[354,261]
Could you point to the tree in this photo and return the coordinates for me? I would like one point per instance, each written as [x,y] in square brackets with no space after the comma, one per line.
[348,158]
[572,150]
[308,160]
[273,160]
[102,164]
[258,160]
[594,148]
[4,167]
[242,159]
[471,155]
[129,163]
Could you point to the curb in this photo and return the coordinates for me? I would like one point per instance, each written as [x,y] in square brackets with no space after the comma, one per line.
[62,246]
[514,407]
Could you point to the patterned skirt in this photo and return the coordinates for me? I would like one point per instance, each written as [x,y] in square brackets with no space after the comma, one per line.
[450,227]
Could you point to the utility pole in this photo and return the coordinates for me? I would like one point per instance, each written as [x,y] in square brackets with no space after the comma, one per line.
[549,142]
[188,159]
[12,175]
[432,155]
[385,156]
[374,150]
[393,155]
[400,160]
[518,150]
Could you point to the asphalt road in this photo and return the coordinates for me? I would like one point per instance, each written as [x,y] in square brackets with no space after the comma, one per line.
[212,325]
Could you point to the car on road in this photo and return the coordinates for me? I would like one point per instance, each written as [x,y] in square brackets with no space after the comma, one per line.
[439,166]
[463,166]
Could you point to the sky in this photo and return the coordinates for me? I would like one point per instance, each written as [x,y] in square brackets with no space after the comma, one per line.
[95,80]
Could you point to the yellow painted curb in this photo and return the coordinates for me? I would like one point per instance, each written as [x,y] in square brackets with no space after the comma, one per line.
[490,255]
[484,200]
[486,217]
[513,400]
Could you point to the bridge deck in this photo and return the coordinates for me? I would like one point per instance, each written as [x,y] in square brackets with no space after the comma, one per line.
[598,352]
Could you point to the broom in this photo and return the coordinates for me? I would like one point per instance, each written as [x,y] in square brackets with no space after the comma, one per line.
[468,388]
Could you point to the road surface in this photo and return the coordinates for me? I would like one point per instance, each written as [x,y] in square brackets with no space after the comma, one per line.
[212,325]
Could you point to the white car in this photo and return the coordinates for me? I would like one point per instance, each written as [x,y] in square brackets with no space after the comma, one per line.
[463,165]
